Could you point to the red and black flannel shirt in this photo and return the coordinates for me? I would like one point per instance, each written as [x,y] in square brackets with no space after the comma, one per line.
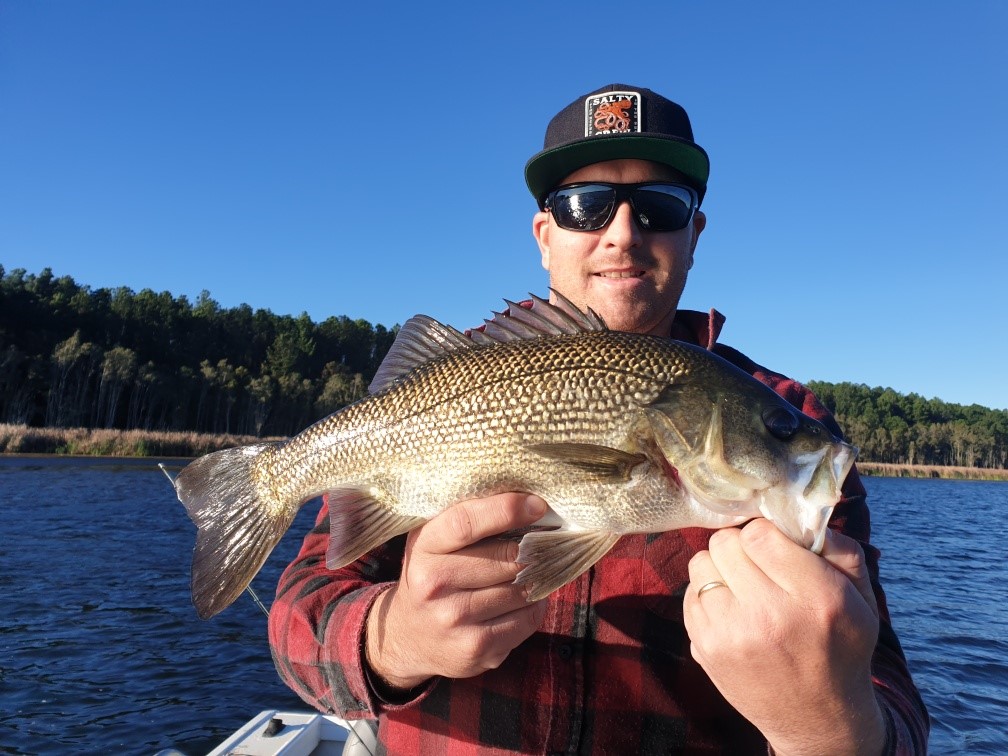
[610,669]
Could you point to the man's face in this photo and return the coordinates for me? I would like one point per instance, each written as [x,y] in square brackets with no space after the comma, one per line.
[632,278]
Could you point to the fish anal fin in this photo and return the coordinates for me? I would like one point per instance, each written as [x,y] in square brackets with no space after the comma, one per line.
[358,522]
[555,557]
[601,462]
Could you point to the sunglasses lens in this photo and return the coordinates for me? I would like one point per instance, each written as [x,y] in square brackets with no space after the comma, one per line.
[583,208]
[663,207]
[589,207]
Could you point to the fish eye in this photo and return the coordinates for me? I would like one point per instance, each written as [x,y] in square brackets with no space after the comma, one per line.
[781,422]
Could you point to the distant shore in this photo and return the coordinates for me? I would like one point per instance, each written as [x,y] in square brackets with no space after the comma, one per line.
[21,439]
[887,470]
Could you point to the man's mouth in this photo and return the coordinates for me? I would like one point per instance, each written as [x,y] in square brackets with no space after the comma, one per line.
[636,273]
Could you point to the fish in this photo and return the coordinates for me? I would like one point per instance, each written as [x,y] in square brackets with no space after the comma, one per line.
[618,432]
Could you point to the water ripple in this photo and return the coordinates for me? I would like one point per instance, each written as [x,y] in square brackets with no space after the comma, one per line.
[102,651]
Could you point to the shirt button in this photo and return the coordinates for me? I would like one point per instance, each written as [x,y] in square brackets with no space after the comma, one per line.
[565,651]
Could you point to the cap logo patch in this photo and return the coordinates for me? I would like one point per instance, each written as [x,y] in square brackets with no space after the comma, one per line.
[612,113]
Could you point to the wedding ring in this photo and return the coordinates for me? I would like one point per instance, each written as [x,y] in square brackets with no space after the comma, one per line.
[710,587]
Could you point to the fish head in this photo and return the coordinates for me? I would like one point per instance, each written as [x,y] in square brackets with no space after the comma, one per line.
[817,465]
[740,450]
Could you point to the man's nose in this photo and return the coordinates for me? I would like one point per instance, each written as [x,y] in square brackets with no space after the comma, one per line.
[623,230]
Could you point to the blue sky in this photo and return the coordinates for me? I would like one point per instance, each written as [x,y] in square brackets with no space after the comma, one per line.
[367,161]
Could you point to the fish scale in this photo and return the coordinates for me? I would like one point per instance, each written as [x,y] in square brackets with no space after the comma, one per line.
[618,432]
[559,389]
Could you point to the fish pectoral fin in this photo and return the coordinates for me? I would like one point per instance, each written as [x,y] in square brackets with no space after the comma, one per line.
[358,522]
[555,557]
[602,463]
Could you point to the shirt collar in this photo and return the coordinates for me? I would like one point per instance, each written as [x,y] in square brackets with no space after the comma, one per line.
[698,328]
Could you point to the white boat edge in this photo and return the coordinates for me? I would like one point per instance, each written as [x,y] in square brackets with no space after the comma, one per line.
[298,733]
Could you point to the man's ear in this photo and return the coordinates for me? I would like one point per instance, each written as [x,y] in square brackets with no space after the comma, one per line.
[699,224]
[541,232]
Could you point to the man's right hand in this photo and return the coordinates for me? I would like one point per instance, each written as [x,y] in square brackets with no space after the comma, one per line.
[455,611]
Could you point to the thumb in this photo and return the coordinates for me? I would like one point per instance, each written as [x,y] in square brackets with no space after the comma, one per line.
[846,555]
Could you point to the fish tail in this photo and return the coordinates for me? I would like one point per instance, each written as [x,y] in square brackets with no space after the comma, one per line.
[237,523]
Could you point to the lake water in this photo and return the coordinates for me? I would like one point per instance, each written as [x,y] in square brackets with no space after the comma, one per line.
[102,652]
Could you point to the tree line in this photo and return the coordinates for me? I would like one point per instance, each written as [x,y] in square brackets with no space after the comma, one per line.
[911,430]
[73,356]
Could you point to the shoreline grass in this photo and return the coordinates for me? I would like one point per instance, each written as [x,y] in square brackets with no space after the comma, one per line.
[98,442]
[891,470]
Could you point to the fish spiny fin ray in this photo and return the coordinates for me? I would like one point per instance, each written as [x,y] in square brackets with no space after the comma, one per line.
[420,340]
[358,522]
[600,462]
[543,318]
[237,526]
[556,557]
[423,339]
[585,320]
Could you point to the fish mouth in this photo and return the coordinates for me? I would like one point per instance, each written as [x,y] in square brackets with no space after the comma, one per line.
[804,510]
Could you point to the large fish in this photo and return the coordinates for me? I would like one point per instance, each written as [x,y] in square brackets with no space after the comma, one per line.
[618,432]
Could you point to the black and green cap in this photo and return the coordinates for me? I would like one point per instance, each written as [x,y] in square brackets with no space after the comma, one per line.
[614,122]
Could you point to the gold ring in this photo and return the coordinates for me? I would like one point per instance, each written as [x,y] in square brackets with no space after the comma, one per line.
[710,587]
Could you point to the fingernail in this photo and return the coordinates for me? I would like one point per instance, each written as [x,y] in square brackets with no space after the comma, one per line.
[535,506]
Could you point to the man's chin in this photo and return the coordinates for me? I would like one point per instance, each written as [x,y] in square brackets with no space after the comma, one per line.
[637,320]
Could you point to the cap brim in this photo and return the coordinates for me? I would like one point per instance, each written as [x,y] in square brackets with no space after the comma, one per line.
[546,169]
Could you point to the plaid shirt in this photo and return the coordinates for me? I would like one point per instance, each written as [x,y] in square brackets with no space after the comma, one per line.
[609,670]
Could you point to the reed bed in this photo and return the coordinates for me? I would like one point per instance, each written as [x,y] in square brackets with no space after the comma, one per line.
[888,470]
[21,439]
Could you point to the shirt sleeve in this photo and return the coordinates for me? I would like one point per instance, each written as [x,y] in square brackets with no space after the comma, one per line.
[317,625]
[907,721]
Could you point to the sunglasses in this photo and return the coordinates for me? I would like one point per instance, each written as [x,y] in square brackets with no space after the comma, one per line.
[656,206]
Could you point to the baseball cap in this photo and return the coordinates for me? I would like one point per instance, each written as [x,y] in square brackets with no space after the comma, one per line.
[614,122]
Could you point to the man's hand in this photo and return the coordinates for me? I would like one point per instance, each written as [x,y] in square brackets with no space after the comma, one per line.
[788,641]
[455,611]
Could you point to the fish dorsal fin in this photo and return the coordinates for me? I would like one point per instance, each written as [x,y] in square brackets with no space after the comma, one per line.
[420,340]
[423,339]
[543,318]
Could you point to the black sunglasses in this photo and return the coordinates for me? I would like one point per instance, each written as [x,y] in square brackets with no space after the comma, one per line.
[657,206]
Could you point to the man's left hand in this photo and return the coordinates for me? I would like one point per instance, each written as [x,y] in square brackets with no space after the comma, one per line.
[789,638]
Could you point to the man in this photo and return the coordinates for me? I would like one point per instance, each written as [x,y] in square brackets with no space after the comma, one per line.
[732,641]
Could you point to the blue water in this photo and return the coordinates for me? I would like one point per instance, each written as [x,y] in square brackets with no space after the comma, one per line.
[102,652]
[944,572]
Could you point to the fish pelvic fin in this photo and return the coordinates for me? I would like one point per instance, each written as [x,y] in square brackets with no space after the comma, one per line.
[602,463]
[359,520]
[237,525]
[555,557]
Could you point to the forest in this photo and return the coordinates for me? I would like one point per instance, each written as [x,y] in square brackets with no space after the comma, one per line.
[72,356]
[76,357]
